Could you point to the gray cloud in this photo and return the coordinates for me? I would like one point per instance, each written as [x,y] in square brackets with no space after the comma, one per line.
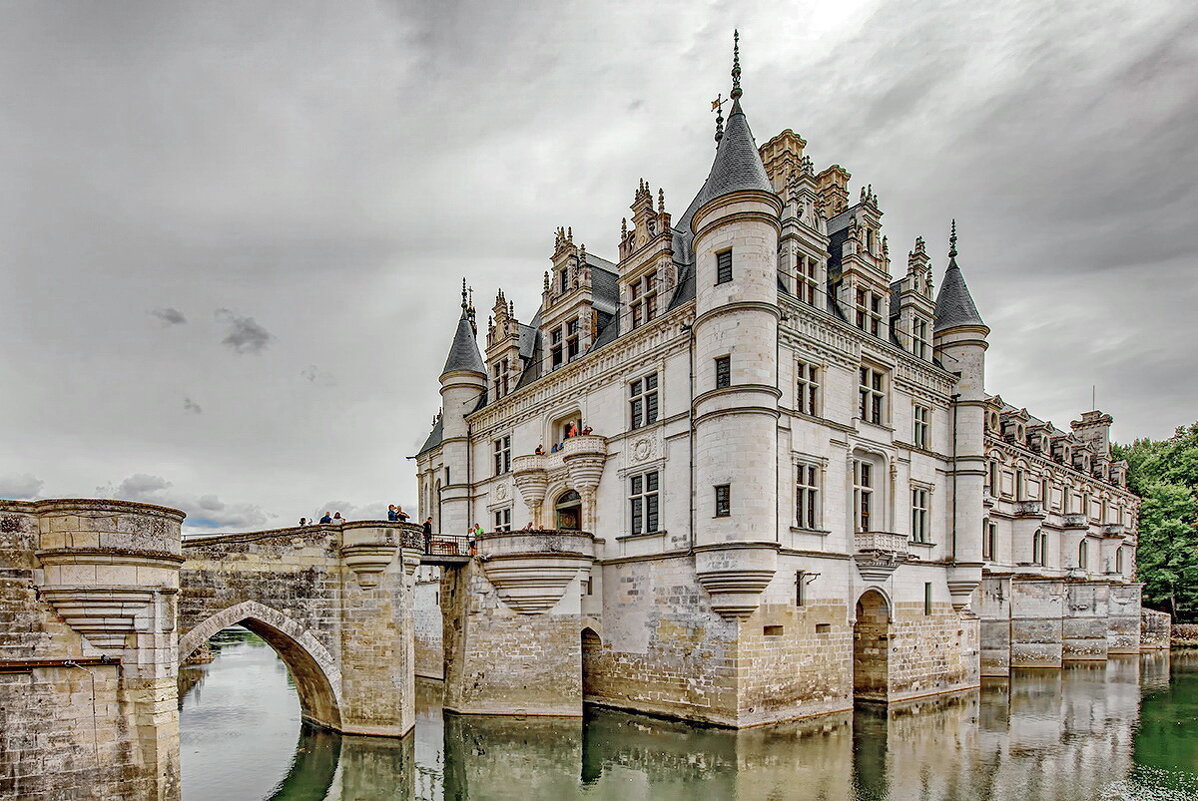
[336,169]
[191,406]
[244,334]
[203,512]
[169,316]
[20,486]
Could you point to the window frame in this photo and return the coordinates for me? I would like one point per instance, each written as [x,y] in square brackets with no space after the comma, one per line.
[871,395]
[723,267]
[503,519]
[807,385]
[644,502]
[644,402]
[808,511]
[501,449]
[921,502]
[723,500]
[863,492]
[921,426]
[723,371]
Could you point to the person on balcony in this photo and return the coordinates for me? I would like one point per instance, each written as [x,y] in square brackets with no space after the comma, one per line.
[400,514]
[540,451]
[391,515]
[586,431]
[571,430]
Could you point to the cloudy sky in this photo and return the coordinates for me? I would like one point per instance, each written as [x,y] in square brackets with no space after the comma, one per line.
[231,234]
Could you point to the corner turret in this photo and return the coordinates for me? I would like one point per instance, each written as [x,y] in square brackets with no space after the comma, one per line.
[463,381]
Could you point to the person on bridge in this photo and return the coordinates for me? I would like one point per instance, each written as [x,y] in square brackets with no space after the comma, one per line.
[392,515]
[400,514]
[428,534]
[326,519]
[540,451]
[303,522]
[337,518]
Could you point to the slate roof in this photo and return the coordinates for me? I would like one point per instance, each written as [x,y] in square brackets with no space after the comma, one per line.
[434,437]
[954,304]
[463,353]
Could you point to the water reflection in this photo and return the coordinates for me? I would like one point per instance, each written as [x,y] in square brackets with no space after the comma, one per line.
[1117,730]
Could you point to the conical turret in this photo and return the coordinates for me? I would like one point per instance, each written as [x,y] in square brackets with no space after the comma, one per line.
[954,304]
[463,353]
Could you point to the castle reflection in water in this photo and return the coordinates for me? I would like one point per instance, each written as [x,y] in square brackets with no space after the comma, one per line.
[1107,730]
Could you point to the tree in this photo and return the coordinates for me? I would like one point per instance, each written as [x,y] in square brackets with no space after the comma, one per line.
[1165,476]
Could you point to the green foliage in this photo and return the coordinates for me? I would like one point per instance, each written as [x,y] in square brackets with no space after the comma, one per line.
[1165,476]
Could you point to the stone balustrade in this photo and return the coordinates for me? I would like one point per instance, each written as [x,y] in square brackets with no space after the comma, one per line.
[580,458]
[1114,530]
[531,569]
[1076,521]
[881,542]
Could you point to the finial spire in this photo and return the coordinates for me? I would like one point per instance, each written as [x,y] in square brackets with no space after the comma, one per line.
[736,90]
[952,245]
[465,305]
[717,106]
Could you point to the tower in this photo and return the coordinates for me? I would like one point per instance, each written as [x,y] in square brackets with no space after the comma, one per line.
[959,341]
[736,223]
[463,380]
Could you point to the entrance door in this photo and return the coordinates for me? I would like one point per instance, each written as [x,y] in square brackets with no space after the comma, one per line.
[569,511]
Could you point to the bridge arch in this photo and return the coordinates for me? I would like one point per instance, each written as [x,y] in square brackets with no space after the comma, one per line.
[317,679]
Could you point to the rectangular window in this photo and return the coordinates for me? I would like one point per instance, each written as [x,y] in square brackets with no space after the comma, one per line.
[723,267]
[1040,548]
[503,519]
[806,388]
[643,299]
[572,340]
[642,401]
[869,311]
[863,494]
[563,280]
[807,496]
[644,502]
[555,350]
[806,284]
[870,395]
[989,540]
[919,515]
[503,454]
[723,500]
[927,597]
[800,587]
[994,488]
[1019,484]
[922,415]
[919,338]
[723,371]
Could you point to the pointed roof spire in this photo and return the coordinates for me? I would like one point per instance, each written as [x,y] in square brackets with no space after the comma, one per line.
[954,304]
[736,90]
[463,353]
[737,166]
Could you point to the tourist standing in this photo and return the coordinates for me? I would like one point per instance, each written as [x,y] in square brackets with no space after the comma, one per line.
[428,534]
[400,514]
[391,515]
[327,519]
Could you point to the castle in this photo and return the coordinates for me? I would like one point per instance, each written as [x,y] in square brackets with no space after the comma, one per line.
[794,486]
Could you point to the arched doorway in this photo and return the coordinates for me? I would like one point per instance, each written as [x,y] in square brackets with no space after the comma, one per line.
[592,651]
[871,648]
[568,509]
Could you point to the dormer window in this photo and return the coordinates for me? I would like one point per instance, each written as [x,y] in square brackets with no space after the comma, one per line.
[500,380]
[563,280]
[869,311]
[572,340]
[993,421]
[556,353]
[805,285]
[919,338]
[869,240]
[643,299]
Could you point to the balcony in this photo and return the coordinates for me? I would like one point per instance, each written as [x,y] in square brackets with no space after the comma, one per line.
[1076,521]
[1113,530]
[879,553]
[1029,509]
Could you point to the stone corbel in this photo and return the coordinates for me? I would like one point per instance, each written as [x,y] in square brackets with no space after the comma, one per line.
[368,561]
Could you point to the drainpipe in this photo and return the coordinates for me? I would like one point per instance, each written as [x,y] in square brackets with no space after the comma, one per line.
[689,328]
[955,399]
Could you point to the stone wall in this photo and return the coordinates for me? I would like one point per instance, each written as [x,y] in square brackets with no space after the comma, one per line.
[1084,628]
[343,629]
[931,653]
[498,661]
[95,716]
[1154,630]
[1037,633]
[1184,635]
[426,624]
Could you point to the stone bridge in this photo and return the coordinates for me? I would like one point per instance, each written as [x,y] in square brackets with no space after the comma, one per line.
[100,601]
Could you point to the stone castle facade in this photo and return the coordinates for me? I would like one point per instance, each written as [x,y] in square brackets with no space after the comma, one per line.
[790,486]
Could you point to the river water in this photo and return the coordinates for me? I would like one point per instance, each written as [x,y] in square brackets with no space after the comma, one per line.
[1125,729]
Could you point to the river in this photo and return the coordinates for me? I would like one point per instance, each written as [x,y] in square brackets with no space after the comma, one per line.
[1125,729]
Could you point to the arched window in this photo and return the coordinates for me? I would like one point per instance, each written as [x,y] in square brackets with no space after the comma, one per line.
[569,511]
[1119,560]
[1083,555]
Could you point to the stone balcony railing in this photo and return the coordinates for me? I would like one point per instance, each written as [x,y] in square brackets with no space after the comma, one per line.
[1114,530]
[582,459]
[1076,521]
[880,542]
[1029,508]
